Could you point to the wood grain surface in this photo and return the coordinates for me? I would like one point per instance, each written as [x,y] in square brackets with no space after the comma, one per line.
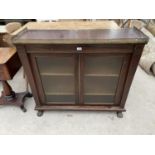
[87,36]
[72,25]
[6,54]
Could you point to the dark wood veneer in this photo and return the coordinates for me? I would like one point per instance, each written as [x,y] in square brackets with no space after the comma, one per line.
[110,85]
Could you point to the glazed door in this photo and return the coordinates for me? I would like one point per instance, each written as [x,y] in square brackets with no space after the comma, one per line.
[103,77]
[80,78]
[56,77]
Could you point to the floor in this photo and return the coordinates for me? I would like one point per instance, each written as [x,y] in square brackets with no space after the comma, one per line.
[139,118]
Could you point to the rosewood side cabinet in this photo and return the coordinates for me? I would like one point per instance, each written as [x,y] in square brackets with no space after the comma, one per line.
[80,69]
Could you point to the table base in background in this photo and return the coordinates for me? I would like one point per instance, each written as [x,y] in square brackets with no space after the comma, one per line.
[18,100]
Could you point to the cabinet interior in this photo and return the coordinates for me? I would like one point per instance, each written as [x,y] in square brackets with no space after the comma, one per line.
[100,78]
[57,76]
[101,74]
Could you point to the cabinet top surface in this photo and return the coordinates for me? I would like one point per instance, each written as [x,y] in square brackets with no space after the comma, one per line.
[87,36]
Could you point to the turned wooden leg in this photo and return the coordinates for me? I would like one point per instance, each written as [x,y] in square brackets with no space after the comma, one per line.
[7,92]
[6,88]
[129,23]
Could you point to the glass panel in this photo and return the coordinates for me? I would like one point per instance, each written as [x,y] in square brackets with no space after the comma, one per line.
[103,65]
[100,85]
[99,99]
[57,75]
[101,78]
[60,98]
[55,64]
[58,84]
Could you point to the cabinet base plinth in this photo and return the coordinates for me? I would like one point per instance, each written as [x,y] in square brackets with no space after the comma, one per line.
[117,109]
[80,108]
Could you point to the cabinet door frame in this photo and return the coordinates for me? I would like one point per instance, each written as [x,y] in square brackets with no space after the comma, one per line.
[39,84]
[121,79]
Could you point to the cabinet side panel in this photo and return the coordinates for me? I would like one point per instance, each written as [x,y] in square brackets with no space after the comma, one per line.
[27,69]
[132,69]
[122,77]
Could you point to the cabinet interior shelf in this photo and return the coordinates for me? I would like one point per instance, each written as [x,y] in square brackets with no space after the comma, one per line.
[88,94]
[99,94]
[57,74]
[86,75]
[59,94]
[102,75]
